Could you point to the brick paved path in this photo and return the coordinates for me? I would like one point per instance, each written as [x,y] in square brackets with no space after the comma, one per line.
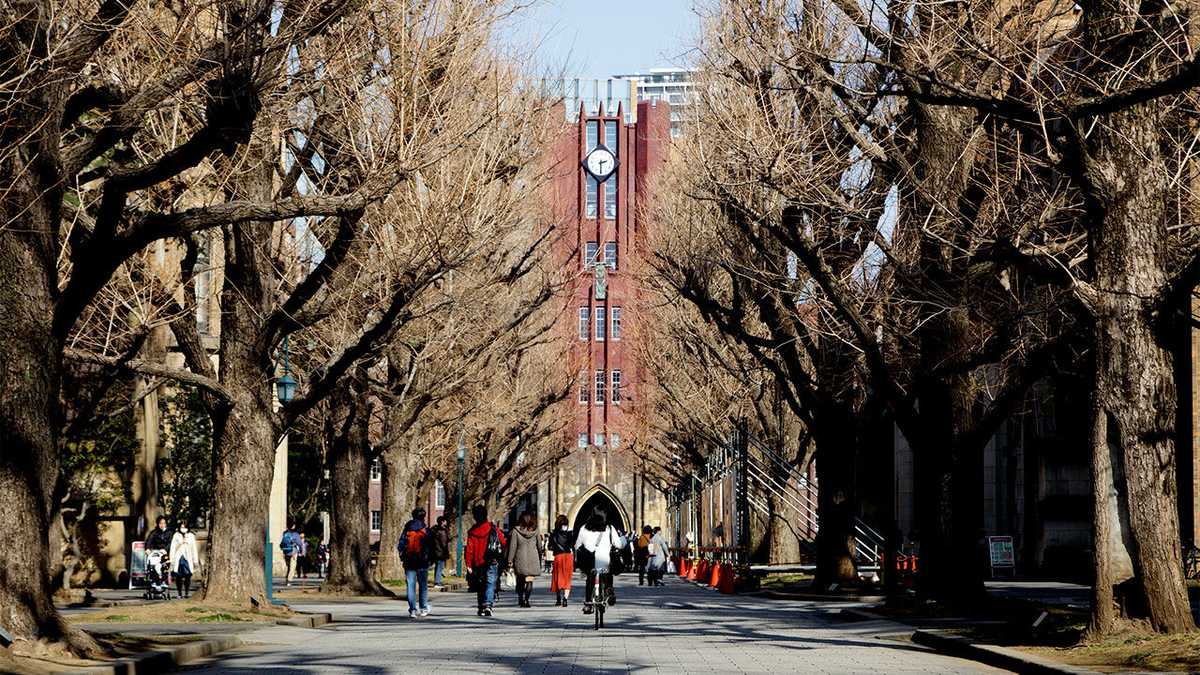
[677,629]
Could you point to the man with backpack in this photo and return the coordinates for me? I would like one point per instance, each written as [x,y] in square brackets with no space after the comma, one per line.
[441,550]
[289,545]
[485,550]
[415,545]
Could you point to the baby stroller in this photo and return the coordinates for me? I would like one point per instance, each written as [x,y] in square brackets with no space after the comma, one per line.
[157,575]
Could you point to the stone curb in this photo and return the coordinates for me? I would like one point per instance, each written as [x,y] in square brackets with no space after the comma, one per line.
[1000,657]
[307,620]
[167,659]
[818,597]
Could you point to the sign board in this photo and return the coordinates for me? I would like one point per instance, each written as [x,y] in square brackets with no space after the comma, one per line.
[137,564]
[1001,553]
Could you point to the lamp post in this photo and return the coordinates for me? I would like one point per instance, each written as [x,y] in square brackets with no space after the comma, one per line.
[462,460]
[285,390]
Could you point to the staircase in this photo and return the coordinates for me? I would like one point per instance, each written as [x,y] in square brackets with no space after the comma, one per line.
[770,475]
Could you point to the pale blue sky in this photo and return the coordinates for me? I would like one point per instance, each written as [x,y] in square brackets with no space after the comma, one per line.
[599,38]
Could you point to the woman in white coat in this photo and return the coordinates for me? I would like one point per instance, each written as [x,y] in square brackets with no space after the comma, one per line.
[185,559]
[598,538]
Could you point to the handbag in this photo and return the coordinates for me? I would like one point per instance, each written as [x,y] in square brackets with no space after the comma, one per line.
[508,580]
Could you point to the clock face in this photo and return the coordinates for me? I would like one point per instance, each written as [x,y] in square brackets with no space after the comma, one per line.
[600,162]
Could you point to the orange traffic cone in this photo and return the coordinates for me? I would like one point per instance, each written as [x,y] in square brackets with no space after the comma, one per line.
[714,577]
[728,580]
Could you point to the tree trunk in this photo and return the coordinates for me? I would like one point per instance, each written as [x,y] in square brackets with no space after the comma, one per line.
[836,453]
[396,488]
[1135,385]
[947,472]
[244,442]
[1103,621]
[350,536]
[244,434]
[30,375]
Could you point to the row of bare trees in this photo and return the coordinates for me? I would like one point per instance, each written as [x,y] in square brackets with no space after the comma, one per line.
[926,208]
[345,182]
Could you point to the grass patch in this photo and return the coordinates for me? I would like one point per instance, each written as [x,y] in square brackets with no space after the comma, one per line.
[219,617]
[184,611]
[777,582]
[1139,649]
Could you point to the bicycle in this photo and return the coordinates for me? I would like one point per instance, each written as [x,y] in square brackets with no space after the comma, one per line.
[601,589]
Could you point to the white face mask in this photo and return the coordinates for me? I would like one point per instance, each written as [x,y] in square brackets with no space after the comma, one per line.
[183,529]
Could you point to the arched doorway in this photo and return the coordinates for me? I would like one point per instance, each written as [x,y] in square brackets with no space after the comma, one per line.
[600,497]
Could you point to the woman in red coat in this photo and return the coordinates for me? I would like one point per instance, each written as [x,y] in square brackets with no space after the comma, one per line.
[561,541]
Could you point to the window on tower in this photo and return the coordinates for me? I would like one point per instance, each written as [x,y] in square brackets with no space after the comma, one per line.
[590,251]
[600,387]
[592,197]
[610,197]
[583,440]
[584,315]
[593,136]
[616,387]
[610,136]
[614,325]
[584,387]
[610,255]
[600,324]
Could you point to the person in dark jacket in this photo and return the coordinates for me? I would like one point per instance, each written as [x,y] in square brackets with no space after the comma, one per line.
[415,549]
[483,564]
[561,542]
[441,550]
[159,538]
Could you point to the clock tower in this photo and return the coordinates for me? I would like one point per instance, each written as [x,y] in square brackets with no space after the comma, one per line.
[603,161]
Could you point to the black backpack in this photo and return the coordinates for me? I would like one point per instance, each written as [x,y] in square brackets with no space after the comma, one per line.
[494,551]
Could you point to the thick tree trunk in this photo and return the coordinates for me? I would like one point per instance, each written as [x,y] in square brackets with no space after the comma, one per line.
[836,453]
[244,433]
[30,367]
[1135,384]
[947,472]
[395,491]
[244,445]
[350,522]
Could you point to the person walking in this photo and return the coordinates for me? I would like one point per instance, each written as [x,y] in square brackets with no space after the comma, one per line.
[525,554]
[185,559]
[598,539]
[441,550]
[641,554]
[289,546]
[159,538]
[548,555]
[415,547]
[561,546]
[659,554]
[484,551]
[302,555]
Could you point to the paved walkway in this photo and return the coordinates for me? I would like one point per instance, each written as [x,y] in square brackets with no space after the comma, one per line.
[676,629]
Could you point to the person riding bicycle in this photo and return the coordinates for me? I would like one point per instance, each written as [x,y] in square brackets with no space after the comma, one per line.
[593,550]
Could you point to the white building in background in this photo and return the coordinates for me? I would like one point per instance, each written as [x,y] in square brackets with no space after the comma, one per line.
[673,85]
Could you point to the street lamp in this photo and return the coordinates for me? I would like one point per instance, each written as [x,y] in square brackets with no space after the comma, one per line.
[285,391]
[462,461]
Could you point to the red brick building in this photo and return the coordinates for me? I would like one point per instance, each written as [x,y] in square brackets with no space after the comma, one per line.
[603,162]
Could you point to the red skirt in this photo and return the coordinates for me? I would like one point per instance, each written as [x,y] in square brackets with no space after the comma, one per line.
[564,567]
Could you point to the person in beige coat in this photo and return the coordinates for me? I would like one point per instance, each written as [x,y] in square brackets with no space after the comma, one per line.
[185,559]
[525,551]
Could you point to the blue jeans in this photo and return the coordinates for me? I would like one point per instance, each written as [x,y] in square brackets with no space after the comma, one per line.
[414,578]
[485,583]
[437,572]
